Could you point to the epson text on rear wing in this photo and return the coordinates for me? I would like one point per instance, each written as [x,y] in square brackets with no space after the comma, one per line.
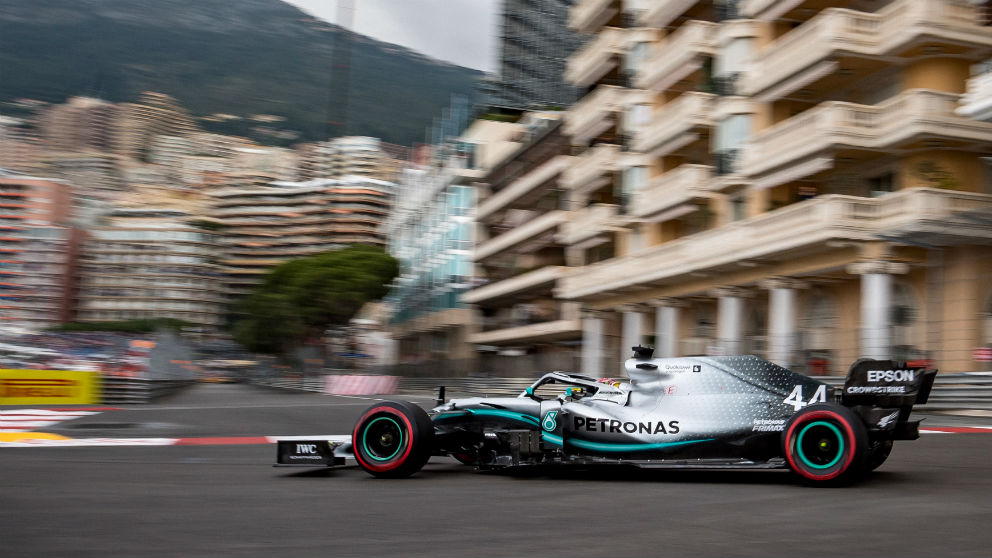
[887,383]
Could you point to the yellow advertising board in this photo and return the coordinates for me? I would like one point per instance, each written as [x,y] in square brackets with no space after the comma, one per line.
[49,387]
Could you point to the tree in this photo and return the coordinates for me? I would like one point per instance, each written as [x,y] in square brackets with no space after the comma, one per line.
[298,300]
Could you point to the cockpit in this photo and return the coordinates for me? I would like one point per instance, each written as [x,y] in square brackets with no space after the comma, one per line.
[576,387]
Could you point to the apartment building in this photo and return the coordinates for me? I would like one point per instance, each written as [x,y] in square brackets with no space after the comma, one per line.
[431,233]
[520,256]
[94,173]
[778,177]
[197,159]
[48,275]
[263,226]
[534,44]
[359,207]
[37,251]
[148,263]
[20,148]
[351,155]
[138,124]
[79,124]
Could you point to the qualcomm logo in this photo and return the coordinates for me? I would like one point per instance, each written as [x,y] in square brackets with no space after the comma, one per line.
[550,422]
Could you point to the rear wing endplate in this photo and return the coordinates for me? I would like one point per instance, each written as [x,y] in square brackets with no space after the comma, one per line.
[887,383]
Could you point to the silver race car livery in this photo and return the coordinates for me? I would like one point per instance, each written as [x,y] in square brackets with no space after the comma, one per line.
[689,412]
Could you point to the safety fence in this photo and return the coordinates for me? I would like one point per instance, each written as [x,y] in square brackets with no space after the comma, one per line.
[116,390]
[950,391]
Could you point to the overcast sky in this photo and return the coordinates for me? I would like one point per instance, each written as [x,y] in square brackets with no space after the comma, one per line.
[458,31]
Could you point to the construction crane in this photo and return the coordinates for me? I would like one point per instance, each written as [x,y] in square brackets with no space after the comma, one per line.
[340,71]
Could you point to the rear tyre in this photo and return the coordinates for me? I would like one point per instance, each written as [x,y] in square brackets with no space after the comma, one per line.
[826,444]
[393,439]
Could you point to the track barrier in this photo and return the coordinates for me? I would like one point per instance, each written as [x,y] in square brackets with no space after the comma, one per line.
[118,390]
[355,384]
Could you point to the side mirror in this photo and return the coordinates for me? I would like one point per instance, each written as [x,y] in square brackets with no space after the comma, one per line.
[530,393]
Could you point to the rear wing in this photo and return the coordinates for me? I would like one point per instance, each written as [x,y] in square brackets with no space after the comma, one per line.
[887,383]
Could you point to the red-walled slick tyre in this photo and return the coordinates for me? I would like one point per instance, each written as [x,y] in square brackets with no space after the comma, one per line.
[826,444]
[393,439]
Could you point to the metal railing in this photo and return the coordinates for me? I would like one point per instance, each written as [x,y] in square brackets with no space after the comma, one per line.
[116,390]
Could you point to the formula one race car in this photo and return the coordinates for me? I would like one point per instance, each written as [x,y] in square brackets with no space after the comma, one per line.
[690,412]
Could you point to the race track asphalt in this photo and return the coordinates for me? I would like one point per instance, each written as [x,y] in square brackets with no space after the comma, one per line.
[932,498]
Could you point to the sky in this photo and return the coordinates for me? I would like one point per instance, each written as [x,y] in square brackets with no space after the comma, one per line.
[458,31]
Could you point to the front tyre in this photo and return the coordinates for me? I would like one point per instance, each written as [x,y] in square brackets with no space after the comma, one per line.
[826,444]
[393,439]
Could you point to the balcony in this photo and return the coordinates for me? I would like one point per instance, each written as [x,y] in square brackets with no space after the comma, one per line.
[841,41]
[594,114]
[977,103]
[804,144]
[779,235]
[678,57]
[591,170]
[588,16]
[662,14]
[673,193]
[530,231]
[522,187]
[596,59]
[543,278]
[767,10]
[528,324]
[591,225]
[556,330]
[673,124]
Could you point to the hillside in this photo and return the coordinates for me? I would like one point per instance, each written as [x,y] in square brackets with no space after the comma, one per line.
[217,56]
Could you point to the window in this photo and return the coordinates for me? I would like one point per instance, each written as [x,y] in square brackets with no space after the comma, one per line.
[636,117]
[637,240]
[987,320]
[738,207]
[635,178]
[882,184]
[599,253]
[732,132]
[988,174]
[635,57]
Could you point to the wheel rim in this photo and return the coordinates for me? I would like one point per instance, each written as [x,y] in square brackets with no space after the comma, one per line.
[820,445]
[382,439]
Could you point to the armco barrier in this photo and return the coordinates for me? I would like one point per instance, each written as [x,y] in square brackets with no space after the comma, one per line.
[119,390]
[950,391]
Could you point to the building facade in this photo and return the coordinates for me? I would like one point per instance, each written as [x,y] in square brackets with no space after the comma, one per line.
[79,124]
[263,226]
[37,251]
[362,156]
[534,45]
[137,125]
[150,263]
[776,177]
[20,146]
[520,256]
[431,233]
